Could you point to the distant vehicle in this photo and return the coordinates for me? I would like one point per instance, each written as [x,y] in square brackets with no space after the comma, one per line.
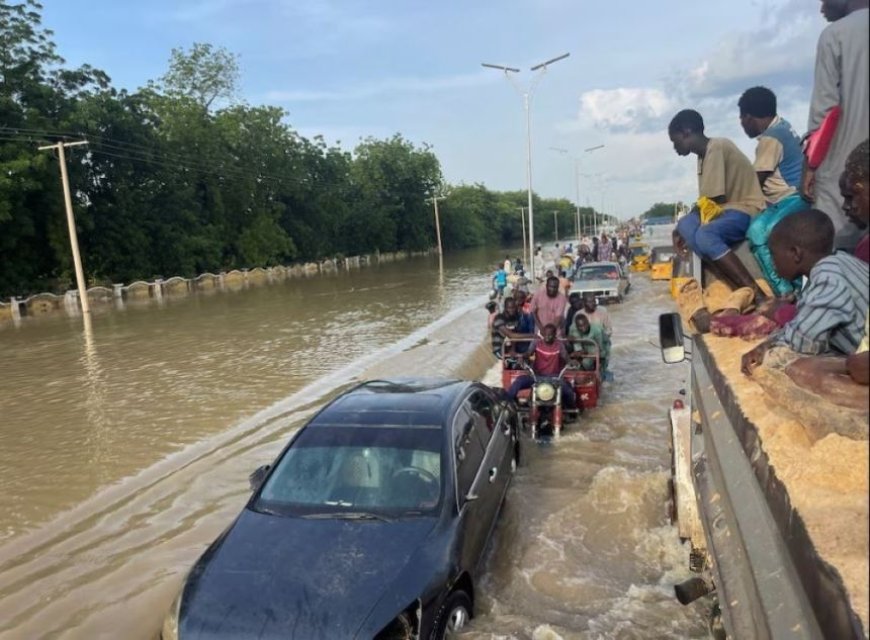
[372,522]
[607,281]
[681,273]
[661,258]
[639,256]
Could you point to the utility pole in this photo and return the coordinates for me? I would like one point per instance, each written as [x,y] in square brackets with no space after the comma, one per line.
[556,225]
[437,222]
[70,220]
[435,200]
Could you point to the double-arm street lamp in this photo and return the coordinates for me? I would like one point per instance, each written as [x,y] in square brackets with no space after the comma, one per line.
[577,174]
[598,178]
[587,150]
[526,95]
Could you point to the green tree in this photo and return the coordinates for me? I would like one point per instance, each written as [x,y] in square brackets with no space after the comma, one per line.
[36,94]
[203,74]
[659,210]
[392,180]
[177,179]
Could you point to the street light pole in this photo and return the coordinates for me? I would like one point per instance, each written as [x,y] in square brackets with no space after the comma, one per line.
[577,160]
[527,95]
[576,165]
[594,214]
[577,227]
[523,223]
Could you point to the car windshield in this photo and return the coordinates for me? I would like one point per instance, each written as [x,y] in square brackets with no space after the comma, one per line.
[663,255]
[639,251]
[352,471]
[598,272]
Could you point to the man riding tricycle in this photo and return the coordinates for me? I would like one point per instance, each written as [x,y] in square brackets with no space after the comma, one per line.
[550,383]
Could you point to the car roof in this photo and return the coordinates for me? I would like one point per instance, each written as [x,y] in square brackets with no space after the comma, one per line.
[600,264]
[394,403]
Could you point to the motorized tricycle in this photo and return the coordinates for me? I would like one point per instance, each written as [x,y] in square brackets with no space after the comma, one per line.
[540,406]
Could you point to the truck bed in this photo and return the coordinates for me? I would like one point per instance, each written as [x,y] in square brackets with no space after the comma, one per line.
[810,528]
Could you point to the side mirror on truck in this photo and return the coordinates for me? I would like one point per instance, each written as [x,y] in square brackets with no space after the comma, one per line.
[671,338]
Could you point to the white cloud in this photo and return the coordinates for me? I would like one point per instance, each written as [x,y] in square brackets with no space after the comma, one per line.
[779,51]
[624,109]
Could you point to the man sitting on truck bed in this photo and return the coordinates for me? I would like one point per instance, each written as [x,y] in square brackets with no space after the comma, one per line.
[727,178]
[834,303]
[836,377]
[855,190]
[778,164]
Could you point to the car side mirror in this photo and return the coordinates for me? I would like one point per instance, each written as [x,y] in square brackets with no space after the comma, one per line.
[671,338]
[257,477]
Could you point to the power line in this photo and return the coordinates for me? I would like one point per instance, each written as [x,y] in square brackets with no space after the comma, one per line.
[142,152]
[139,153]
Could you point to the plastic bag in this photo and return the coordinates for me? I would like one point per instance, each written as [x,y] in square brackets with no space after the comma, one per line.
[708,209]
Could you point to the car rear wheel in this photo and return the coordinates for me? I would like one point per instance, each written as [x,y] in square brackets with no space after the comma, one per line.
[453,615]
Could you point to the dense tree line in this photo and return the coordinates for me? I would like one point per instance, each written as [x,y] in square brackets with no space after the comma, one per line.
[662,210]
[179,178]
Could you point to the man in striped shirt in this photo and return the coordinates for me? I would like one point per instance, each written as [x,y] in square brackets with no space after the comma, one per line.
[833,304]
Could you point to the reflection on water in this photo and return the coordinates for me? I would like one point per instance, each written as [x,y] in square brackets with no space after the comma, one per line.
[83,406]
[164,409]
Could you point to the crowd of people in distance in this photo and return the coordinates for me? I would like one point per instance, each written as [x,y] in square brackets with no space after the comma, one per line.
[803,208]
[563,261]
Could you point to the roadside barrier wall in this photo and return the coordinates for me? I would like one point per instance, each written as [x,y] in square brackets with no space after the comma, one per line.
[142,292]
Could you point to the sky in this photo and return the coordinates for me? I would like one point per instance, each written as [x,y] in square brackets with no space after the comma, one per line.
[350,69]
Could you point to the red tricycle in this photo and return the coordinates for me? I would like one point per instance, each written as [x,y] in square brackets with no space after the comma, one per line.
[541,404]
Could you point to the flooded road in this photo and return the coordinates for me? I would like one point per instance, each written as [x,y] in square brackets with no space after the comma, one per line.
[584,549]
[123,457]
[79,414]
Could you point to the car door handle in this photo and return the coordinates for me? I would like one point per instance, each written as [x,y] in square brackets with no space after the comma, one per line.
[493,474]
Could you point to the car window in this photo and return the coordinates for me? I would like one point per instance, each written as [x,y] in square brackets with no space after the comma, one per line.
[484,414]
[662,255]
[599,272]
[469,451]
[335,469]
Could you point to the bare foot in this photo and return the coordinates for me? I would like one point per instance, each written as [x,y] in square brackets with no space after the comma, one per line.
[701,320]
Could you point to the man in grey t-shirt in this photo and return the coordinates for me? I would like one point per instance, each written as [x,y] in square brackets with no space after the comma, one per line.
[841,78]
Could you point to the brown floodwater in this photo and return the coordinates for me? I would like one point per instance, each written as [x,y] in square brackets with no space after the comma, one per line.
[125,450]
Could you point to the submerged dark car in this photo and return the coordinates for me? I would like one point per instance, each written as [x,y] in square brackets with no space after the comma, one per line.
[372,523]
